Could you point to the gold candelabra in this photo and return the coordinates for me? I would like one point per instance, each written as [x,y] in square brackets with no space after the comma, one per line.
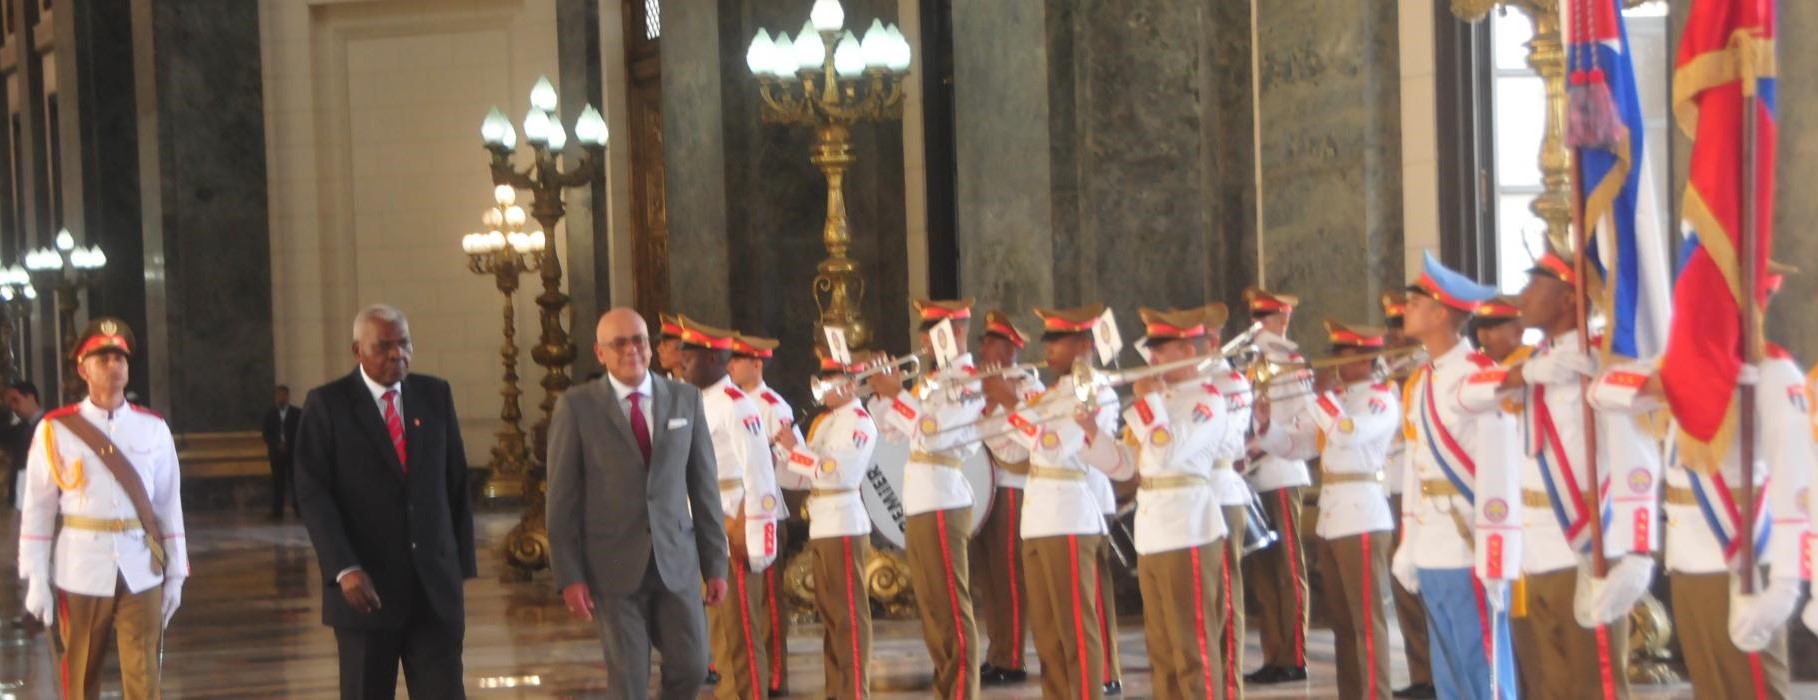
[527,546]
[504,252]
[67,270]
[829,79]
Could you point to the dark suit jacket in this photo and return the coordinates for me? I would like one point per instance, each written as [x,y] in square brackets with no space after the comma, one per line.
[609,515]
[272,430]
[408,534]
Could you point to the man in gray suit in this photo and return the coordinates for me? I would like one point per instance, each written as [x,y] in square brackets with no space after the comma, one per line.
[635,523]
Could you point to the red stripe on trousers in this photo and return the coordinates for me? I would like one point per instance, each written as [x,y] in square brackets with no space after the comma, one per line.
[1199,623]
[1104,620]
[1016,604]
[858,678]
[1369,631]
[744,601]
[1300,606]
[959,632]
[1230,627]
[1483,620]
[1603,663]
[1079,622]
[63,629]
[1758,675]
[776,630]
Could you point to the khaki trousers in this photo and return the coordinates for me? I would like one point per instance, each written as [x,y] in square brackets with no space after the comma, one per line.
[1106,591]
[997,568]
[845,611]
[1231,574]
[1279,577]
[735,631]
[137,623]
[776,617]
[1557,658]
[1411,615]
[1183,615]
[940,574]
[1354,581]
[1063,612]
[1701,612]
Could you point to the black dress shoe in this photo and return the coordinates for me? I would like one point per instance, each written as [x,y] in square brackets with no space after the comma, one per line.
[713,677]
[778,693]
[1421,691]
[1114,688]
[1290,674]
[1265,675]
[986,671]
[1011,676]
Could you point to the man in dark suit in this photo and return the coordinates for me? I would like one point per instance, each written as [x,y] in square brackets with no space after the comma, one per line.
[381,479]
[21,399]
[280,431]
[634,516]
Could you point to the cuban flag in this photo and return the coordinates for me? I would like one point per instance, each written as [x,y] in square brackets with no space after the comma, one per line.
[1726,53]
[1627,242]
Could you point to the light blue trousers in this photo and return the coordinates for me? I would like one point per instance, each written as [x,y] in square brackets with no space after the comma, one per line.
[1459,622]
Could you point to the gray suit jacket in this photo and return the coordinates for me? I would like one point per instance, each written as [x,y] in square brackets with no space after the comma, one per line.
[609,513]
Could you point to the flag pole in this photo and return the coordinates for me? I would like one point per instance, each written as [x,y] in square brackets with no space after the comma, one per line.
[1581,303]
[1750,350]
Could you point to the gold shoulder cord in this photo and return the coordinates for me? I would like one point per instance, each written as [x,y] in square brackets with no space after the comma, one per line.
[77,476]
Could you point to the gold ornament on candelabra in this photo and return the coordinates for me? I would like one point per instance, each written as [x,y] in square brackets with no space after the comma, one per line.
[67,270]
[505,251]
[829,79]
[1546,55]
[17,297]
[527,546]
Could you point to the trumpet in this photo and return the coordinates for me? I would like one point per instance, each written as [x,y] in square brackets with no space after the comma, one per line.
[909,365]
[1267,372]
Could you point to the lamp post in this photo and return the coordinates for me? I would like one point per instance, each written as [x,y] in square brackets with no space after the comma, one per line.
[527,546]
[17,295]
[504,252]
[67,270]
[858,80]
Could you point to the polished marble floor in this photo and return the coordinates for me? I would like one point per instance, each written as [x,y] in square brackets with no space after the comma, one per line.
[250,628]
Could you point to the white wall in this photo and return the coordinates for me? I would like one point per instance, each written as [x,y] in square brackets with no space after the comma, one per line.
[1419,133]
[375,167]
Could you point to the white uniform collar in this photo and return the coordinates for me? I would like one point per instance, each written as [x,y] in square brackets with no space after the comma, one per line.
[89,410]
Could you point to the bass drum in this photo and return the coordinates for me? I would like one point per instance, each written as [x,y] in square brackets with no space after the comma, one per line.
[882,490]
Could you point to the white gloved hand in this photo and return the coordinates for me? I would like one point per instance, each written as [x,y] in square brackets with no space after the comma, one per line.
[173,596]
[1748,374]
[1754,619]
[1585,594]
[1496,592]
[1811,615]
[38,600]
[1558,366]
[1402,566]
[1624,585]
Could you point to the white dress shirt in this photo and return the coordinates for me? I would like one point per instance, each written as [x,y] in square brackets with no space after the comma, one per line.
[643,389]
[378,394]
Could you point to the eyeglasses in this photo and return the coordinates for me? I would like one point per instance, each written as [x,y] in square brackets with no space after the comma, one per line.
[628,343]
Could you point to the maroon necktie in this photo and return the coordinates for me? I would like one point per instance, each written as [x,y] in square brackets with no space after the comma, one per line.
[640,429]
[394,424]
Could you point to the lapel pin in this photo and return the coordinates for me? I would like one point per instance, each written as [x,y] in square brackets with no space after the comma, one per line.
[416,422]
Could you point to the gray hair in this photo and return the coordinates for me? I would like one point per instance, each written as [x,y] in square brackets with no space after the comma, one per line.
[379,312]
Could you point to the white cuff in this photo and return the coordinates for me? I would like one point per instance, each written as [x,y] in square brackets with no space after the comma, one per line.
[345,572]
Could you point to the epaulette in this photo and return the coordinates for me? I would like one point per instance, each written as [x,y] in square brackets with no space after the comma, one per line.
[1210,388]
[62,411]
[861,413]
[1481,360]
[734,392]
[145,410]
[1775,352]
[771,398]
[1381,386]
[970,370]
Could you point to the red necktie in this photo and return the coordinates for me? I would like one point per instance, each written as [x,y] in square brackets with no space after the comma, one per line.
[640,429]
[394,424]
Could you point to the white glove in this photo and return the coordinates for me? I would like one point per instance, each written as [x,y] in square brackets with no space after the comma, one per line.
[173,597]
[1748,375]
[1558,366]
[1621,588]
[1584,595]
[38,600]
[1754,619]
[1496,591]
[1811,615]
[1402,565]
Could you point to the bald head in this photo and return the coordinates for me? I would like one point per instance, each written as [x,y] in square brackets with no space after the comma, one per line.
[622,344]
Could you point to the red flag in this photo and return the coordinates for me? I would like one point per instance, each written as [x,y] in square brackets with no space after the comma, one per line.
[1725,55]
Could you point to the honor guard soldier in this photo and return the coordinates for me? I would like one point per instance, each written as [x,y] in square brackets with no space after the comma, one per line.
[941,430]
[1410,615]
[102,491]
[1495,330]
[1462,543]
[669,346]
[1173,428]
[1566,648]
[833,461]
[1064,526]
[749,495]
[1734,644]
[1233,492]
[1349,426]
[997,551]
[750,355]
[1279,574]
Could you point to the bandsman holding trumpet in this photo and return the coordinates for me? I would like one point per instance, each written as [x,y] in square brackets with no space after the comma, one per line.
[1063,526]
[1463,536]
[1409,613]
[1173,427]
[833,462]
[750,354]
[1279,574]
[1233,492]
[937,498]
[997,551]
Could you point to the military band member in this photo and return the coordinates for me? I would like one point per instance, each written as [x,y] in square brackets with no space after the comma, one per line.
[997,551]
[750,354]
[937,498]
[1495,330]
[101,489]
[749,495]
[834,460]
[1278,574]
[1063,525]
[1233,493]
[1734,644]
[1463,537]
[1174,425]
[1349,427]
[1410,615]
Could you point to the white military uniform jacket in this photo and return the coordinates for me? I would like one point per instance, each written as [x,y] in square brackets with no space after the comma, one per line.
[1172,435]
[1464,468]
[1231,487]
[1704,512]
[1356,425]
[86,561]
[1061,496]
[1288,396]
[833,462]
[747,477]
[942,433]
[779,416]
[1004,448]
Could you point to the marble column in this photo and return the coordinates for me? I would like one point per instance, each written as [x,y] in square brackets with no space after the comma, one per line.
[202,184]
[587,260]
[1791,320]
